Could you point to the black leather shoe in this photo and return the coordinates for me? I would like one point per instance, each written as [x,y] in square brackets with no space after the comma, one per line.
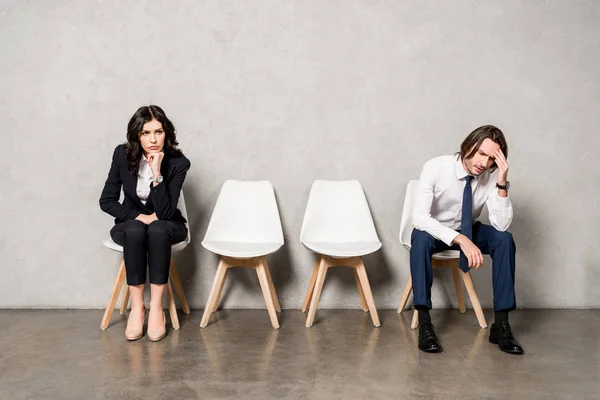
[501,335]
[428,342]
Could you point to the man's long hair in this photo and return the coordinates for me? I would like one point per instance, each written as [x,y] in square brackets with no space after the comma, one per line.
[471,144]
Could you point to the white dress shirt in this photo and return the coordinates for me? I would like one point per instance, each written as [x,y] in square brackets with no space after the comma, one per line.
[144,180]
[438,205]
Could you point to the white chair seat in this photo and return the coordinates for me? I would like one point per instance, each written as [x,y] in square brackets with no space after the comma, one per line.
[241,249]
[447,255]
[343,250]
[113,246]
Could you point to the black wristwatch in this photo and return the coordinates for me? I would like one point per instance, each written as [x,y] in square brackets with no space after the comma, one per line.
[505,187]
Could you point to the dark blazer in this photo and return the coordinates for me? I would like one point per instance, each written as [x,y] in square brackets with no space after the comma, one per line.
[163,197]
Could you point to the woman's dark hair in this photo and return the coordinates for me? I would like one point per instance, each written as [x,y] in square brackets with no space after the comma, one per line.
[471,144]
[133,147]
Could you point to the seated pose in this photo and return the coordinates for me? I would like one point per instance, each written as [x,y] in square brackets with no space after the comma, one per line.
[452,193]
[150,169]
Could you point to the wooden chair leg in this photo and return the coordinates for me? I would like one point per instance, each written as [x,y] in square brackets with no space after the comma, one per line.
[174,278]
[470,286]
[363,302]
[311,286]
[415,320]
[210,304]
[271,285]
[316,294]
[459,290]
[405,294]
[220,293]
[364,280]
[124,299]
[114,296]
[172,308]
[266,289]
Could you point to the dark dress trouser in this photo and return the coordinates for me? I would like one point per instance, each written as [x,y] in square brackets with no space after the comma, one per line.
[148,245]
[499,245]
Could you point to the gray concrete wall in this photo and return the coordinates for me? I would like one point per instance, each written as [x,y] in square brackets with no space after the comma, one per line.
[293,91]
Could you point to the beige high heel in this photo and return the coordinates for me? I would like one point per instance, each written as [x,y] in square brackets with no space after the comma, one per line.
[135,332]
[158,334]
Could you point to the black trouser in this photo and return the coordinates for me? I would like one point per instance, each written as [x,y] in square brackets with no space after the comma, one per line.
[147,245]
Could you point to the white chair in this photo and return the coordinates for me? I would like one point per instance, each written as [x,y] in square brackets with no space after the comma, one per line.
[448,258]
[173,278]
[338,227]
[243,229]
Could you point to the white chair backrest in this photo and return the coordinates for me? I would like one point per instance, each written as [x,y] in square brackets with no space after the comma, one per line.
[246,211]
[337,212]
[181,206]
[406,227]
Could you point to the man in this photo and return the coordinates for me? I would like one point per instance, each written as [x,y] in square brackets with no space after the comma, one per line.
[452,193]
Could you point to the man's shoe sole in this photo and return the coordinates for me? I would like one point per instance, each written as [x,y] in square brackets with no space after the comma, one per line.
[493,340]
[431,350]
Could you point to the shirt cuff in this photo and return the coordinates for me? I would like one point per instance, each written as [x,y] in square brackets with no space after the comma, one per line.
[502,202]
[448,235]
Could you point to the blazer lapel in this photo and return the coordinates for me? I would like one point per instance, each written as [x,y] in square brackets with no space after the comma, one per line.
[130,187]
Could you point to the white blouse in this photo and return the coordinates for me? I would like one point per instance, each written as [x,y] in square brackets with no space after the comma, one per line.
[144,180]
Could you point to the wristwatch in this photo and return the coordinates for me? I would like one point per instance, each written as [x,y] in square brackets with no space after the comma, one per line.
[157,179]
[505,187]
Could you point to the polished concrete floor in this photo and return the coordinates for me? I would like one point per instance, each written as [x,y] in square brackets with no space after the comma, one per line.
[48,354]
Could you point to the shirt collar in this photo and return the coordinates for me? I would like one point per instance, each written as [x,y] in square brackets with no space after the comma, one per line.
[460,170]
[143,160]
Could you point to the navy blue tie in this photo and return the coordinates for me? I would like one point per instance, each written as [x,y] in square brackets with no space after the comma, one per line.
[466,224]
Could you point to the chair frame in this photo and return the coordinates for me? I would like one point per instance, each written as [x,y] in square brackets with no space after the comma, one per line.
[317,281]
[121,285]
[259,264]
[456,274]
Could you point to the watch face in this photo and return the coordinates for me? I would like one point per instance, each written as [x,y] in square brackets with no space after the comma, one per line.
[160,179]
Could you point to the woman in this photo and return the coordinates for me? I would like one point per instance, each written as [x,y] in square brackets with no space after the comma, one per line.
[150,169]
